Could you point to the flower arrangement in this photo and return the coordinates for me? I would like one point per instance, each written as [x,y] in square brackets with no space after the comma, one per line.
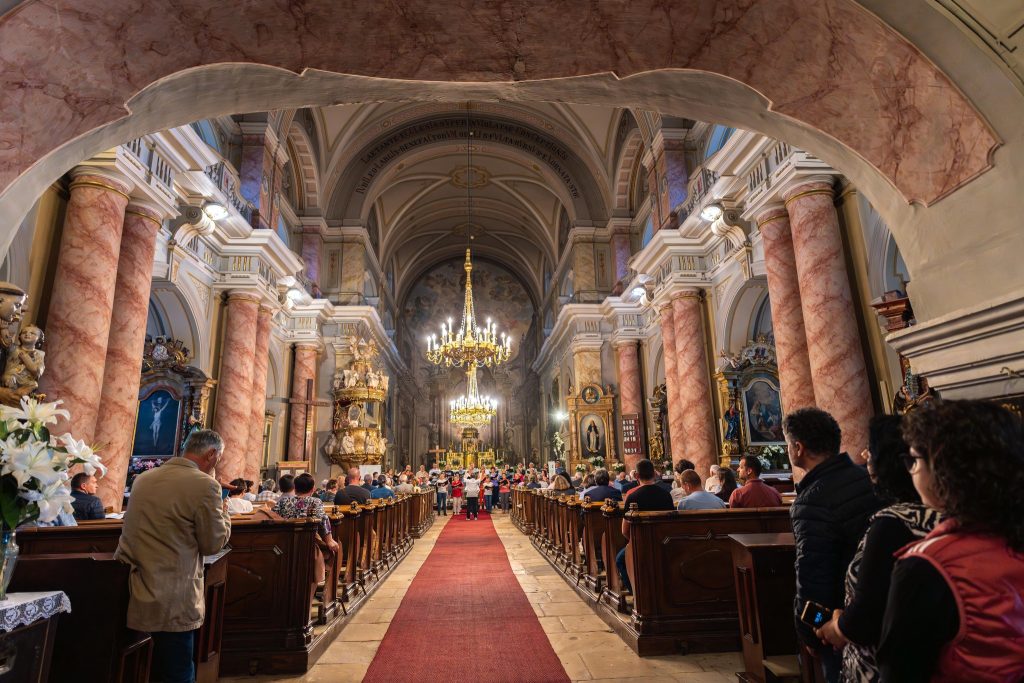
[34,465]
[774,457]
[619,467]
[596,461]
[581,468]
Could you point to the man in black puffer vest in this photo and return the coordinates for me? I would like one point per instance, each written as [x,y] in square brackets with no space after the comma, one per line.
[830,513]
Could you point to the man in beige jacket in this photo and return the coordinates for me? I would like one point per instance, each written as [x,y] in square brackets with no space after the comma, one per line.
[176,516]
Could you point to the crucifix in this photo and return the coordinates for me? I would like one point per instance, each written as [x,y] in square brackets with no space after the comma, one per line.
[437,452]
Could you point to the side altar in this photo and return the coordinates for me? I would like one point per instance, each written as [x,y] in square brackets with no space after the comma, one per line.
[358,394]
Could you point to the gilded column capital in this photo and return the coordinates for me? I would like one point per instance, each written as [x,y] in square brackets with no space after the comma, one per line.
[242,296]
[813,185]
[102,179]
[773,213]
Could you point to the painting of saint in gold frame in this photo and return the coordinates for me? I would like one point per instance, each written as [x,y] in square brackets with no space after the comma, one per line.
[593,436]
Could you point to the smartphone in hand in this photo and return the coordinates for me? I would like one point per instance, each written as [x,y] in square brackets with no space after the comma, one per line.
[815,615]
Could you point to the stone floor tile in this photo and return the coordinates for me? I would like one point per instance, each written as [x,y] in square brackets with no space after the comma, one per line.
[354,632]
[551,624]
[349,652]
[583,624]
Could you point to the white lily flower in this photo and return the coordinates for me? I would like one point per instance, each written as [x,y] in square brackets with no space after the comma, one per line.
[34,412]
[32,459]
[52,500]
[78,450]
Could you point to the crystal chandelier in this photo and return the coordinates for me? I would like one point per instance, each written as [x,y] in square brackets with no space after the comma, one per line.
[469,344]
[473,410]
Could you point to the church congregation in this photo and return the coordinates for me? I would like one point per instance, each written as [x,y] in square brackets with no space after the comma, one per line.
[520,343]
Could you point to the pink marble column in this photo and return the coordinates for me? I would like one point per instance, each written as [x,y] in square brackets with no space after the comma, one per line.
[630,391]
[234,387]
[698,429]
[259,394]
[82,299]
[787,314]
[675,414]
[312,241]
[621,254]
[833,340]
[305,369]
[121,372]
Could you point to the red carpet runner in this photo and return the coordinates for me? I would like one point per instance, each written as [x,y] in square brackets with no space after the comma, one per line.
[465,618]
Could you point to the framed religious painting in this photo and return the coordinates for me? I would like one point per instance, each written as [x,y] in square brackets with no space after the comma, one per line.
[593,436]
[156,424]
[762,411]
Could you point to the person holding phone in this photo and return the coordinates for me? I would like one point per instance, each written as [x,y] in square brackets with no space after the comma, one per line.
[830,513]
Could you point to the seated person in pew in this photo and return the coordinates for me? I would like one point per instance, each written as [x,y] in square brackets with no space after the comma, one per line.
[602,490]
[176,517]
[353,491]
[696,497]
[235,503]
[86,503]
[306,505]
[268,492]
[754,493]
[648,497]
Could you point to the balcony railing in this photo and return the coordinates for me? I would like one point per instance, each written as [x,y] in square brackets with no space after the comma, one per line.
[230,186]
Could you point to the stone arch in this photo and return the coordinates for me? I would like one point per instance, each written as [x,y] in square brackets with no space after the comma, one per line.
[306,169]
[769,66]
[741,302]
[625,170]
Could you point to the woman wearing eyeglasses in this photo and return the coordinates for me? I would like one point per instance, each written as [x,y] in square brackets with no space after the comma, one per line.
[857,627]
[956,603]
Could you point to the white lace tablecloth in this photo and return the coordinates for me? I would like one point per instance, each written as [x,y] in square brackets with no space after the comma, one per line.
[21,609]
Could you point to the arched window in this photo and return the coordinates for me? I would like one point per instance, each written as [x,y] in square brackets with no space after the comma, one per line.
[208,133]
[719,134]
[648,232]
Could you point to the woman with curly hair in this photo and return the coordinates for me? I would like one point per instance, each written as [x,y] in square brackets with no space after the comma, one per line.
[955,609]
[857,627]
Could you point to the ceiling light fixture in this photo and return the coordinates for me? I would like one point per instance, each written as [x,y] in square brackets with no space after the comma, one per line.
[215,211]
[712,212]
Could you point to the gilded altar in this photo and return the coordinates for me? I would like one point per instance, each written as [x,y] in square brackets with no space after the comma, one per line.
[592,436]
[750,403]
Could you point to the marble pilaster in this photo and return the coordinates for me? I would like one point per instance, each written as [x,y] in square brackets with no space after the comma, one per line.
[261,360]
[353,268]
[621,253]
[235,383]
[674,448]
[698,418]
[630,388]
[82,299]
[303,370]
[586,363]
[833,340]
[787,314]
[312,244]
[123,366]
[584,267]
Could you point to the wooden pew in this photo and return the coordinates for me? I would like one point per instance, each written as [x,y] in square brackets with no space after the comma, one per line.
[92,642]
[690,552]
[765,579]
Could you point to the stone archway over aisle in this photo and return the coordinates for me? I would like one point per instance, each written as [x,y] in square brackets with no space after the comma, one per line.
[912,124]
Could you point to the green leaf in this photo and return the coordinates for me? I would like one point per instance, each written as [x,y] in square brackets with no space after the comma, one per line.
[11,508]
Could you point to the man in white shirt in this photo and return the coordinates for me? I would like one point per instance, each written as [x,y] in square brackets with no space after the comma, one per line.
[471,491]
[696,497]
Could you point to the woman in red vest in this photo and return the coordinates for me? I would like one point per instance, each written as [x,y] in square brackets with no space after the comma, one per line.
[956,601]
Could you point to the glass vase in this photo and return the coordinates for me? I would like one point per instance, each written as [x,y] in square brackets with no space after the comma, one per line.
[8,558]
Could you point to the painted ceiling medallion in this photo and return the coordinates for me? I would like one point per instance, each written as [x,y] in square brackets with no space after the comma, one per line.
[470,177]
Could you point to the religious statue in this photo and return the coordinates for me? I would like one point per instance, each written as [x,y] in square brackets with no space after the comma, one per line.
[25,361]
[656,447]
[384,381]
[914,393]
[348,444]
[593,438]
[370,443]
[330,444]
[372,379]
[21,358]
[732,423]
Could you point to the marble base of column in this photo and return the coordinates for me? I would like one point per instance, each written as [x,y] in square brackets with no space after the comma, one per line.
[305,369]
[699,444]
[674,449]
[797,388]
[82,300]
[833,339]
[119,397]
[261,360]
[234,388]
